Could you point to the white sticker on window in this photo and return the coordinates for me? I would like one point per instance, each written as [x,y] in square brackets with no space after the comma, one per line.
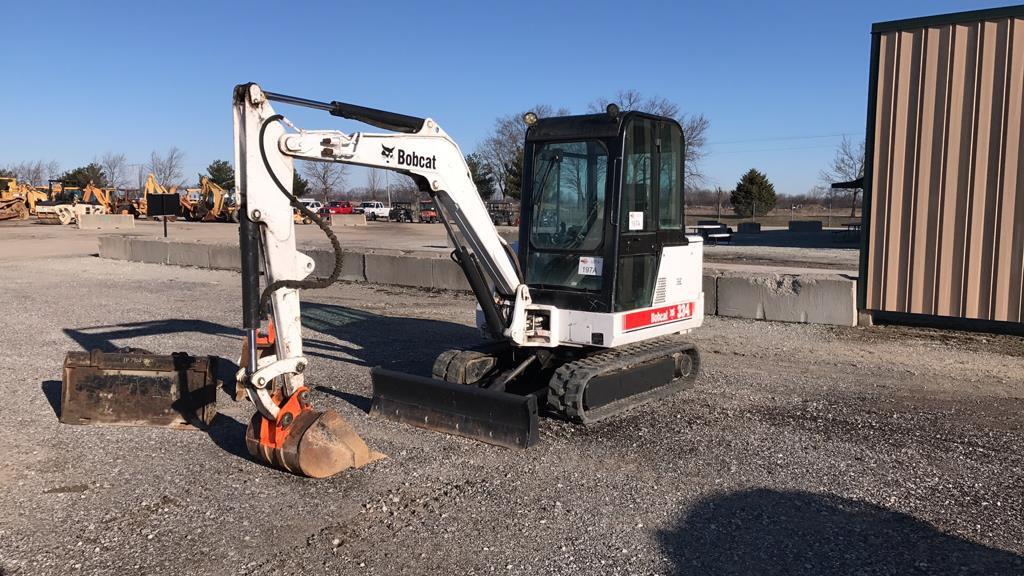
[591,265]
[636,220]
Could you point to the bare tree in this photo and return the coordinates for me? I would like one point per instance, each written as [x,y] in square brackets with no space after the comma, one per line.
[35,173]
[325,178]
[373,183]
[846,166]
[115,167]
[695,126]
[167,167]
[502,148]
[404,189]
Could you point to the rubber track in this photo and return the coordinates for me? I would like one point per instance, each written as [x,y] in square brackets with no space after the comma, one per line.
[568,384]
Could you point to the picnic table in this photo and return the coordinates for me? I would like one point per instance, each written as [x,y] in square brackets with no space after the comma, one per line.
[852,232]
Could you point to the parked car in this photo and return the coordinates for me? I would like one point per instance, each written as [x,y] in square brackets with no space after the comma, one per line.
[400,214]
[313,205]
[373,210]
[337,207]
[428,213]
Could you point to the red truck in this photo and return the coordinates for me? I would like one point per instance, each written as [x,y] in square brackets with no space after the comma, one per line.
[337,207]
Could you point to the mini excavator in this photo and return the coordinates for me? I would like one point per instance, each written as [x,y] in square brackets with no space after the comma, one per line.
[582,321]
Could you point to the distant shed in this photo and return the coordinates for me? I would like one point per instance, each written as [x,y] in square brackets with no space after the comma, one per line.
[943,228]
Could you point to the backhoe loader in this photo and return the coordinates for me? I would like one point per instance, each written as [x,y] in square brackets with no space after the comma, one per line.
[67,203]
[140,206]
[211,204]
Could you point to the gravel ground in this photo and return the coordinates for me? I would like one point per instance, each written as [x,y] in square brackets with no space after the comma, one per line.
[802,450]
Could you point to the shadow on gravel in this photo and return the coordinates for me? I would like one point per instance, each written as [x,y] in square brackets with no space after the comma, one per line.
[224,371]
[229,435]
[358,400]
[800,533]
[103,337]
[406,344]
[51,389]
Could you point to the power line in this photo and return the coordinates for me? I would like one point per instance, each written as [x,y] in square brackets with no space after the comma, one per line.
[779,138]
[814,147]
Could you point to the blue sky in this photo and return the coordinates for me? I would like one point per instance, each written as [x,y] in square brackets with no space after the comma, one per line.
[780,82]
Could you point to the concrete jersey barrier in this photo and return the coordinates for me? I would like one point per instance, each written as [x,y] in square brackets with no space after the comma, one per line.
[806,296]
[106,221]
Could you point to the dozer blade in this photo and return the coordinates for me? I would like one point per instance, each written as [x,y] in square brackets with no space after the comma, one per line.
[490,416]
[138,389]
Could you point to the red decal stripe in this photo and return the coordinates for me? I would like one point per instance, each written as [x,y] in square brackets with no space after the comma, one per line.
[655,316]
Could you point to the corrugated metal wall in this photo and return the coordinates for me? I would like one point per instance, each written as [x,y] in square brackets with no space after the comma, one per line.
[946,220]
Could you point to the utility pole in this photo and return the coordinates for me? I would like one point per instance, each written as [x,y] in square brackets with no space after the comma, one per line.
[719,190]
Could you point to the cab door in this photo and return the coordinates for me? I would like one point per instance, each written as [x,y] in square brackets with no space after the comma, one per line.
[650,214]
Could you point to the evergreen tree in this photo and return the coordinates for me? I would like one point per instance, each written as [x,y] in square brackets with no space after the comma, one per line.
[482,177]
[753,192]
[300,186]
[82,175]
[222,174]
[514,176]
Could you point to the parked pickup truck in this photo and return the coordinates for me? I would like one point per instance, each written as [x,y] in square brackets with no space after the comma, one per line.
[373,210]
[337,207]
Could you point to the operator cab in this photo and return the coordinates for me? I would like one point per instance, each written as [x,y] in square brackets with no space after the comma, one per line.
[602,197]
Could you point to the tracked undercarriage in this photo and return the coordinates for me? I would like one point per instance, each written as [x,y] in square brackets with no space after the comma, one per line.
[585,385]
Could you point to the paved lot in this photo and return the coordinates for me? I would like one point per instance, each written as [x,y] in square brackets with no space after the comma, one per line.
[802,450]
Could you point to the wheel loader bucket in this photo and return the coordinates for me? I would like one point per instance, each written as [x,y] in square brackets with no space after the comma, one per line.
[138,389]
[490,416]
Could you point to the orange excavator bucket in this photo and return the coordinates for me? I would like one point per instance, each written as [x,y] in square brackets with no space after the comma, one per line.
[307,442]
[302,440]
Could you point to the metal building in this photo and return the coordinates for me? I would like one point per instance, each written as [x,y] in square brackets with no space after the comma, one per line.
[943,230]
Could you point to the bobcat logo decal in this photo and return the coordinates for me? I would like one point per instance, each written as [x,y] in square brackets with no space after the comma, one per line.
[387,153]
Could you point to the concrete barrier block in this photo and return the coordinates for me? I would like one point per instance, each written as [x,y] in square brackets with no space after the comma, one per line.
[224,257]
[749,228]
[149,251]
[448,275]
[400,270]
[188,254]
[106,222]
[809,298]
[323,262]
[114,247]
[805,225]
[865,318]
[710,287]
[352,267]
[348,220]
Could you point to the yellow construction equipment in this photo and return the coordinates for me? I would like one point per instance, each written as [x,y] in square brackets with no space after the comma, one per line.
[18,200]
[140,205]
[67,203]
[211,204]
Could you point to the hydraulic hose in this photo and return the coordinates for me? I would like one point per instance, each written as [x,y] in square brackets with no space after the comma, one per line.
[335,244]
